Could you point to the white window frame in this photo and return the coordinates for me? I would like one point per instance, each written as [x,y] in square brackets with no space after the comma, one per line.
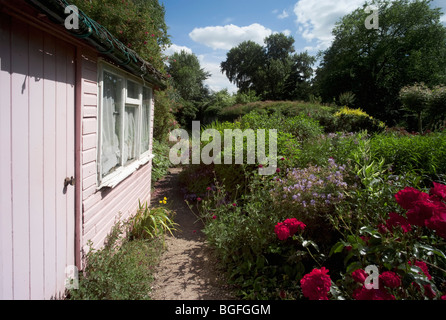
[112,179]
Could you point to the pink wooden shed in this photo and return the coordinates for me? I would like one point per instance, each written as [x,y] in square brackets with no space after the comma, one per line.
[76,127]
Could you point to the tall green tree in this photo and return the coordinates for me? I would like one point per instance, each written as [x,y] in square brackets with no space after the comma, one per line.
[374,64]
[138,24]
[274,71]
[187,78]
[244,66]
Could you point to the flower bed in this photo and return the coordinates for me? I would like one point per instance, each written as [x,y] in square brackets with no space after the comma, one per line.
[336,221]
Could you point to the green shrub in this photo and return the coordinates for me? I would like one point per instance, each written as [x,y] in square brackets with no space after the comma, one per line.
[160,162]
[424,155]
[301,127]
[415,100]
[310,194]
[437,105]
[239,231]
[121,270]
[347,99]
[149,223]
[356,120]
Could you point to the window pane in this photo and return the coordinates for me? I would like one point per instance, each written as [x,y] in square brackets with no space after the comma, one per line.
[111,128]
[145,123]
[130,133]
[132,90]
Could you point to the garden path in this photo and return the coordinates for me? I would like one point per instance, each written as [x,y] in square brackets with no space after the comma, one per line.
[186,270]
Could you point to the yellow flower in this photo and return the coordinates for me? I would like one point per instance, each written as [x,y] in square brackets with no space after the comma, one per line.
[165,198]
[164,201]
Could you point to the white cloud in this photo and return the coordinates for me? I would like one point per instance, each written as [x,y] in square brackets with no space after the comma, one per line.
[176,48]
[229,36]
[316,19]
[283,15]
[218,80]
[443,19]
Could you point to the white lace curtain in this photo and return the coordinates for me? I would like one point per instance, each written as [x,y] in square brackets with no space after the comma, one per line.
[111,102]
[122,123]
[130,134]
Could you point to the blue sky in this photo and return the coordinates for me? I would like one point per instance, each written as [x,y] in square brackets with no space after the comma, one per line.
[210,28]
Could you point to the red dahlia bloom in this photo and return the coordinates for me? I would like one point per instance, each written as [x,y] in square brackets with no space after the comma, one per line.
[396,220]
[438,223]
[372,294]
[294,225]
[390,279]
[423,266]
[438,190]
[316,284]
[282,231]
[359,275]
[407,197]
[424,210]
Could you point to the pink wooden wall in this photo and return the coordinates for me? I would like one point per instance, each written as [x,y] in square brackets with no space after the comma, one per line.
[101,208]
[49,131]
[37,91]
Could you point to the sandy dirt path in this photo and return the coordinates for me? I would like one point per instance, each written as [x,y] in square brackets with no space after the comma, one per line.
[186,270]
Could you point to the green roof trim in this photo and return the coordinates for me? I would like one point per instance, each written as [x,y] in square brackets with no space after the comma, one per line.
[101,39]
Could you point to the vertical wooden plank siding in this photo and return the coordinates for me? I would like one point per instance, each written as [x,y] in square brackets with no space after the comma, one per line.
[49,179]
[71,157]
[37,139]
[36,156]
[41,80]
[6,264]
[19,158]
[102,208]
[61,166]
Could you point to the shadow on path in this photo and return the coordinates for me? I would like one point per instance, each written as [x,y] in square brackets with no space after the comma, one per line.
[186,271]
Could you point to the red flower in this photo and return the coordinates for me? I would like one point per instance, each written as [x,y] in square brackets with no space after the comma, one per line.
[424,210]
[396,220]
[359,275]
[438,223]
[406,198]
[294,225]
[382,229]
[390,279]
[282,231]
[214,217]
[428,291]
[198,199]
[372,294]
[423,266]
[234,204]
[278,170]
[438,190]
[316,284]
[282,294]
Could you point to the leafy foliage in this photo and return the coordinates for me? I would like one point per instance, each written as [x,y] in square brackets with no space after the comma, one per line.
[138,24]
[122,270]
[273,71]
[409,47]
